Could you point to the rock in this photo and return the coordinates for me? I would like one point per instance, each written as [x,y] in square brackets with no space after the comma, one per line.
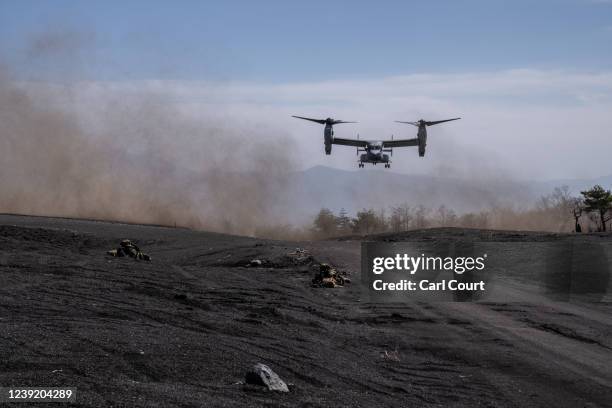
[256,262]
[263,375]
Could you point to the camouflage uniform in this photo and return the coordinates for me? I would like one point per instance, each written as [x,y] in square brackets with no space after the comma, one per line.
[128,248]
[328,277]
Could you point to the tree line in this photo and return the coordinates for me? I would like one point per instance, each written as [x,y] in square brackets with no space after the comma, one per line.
[558,211]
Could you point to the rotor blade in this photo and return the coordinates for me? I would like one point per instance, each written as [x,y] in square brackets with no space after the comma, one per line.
[410,123]
[336,122]
[321,121]
[440,121]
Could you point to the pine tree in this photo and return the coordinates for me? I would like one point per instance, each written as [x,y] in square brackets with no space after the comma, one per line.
[599,201]
[344,222]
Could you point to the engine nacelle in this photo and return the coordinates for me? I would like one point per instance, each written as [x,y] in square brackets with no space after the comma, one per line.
[328,146]
[329,138]
[422,144]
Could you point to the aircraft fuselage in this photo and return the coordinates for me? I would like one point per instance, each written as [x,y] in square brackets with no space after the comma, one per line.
[374,158]
[374,154]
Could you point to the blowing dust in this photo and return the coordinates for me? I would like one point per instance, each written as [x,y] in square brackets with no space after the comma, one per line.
[138,160]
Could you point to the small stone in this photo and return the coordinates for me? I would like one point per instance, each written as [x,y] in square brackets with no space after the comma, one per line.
[256,262]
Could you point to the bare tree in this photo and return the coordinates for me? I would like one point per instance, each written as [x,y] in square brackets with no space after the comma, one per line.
[420,217]
[474,220]
[558,206]
[325,223]
[446,217]
[401,217]
[577,210]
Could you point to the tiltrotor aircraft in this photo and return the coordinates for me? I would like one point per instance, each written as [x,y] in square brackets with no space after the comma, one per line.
[375,151]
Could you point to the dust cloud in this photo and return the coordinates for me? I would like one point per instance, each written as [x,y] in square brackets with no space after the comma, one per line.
[139,159]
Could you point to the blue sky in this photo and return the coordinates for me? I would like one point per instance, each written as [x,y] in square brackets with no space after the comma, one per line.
[304,41]
[529,78]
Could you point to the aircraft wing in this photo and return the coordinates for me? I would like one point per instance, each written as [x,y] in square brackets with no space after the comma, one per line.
[400,143]
[349,142]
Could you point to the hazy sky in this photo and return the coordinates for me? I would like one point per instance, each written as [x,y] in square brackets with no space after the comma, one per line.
[531,79]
